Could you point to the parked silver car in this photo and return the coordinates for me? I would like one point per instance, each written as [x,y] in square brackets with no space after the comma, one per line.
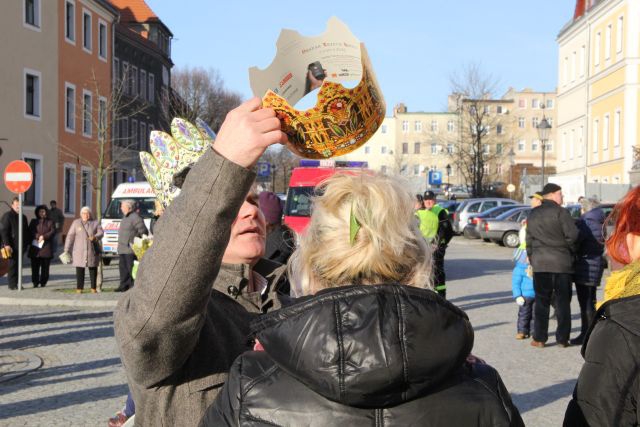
[504,229]
[475,206]
[471,230]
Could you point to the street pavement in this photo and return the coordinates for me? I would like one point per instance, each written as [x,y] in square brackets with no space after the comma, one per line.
[59,364]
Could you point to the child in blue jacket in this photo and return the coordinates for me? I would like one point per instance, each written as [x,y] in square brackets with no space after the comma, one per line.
[522,287]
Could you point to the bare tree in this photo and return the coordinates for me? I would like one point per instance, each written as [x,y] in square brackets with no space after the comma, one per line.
[479,145]
[105,152]
[196,92]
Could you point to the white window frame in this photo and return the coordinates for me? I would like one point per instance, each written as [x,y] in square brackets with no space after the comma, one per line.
[450,149]
[450,126]
[37,96]
[116,71]
[416,148]
[535,145]
[383,129]
[71,40]
[572,143]
[72,119]
[133,139]
[103,118]
[617,120]
[142,135]
[37,183]
[574,66]
[103,42]
[535,103]
[37,16]
[72,189]
[596,131]
[383,149]
[86,192]
[89,49]
[434,126]
[596,49]
[367,149]
[522,122]
[607,43]
[87,131]
[605,132]
[581,142]
[434,148]
[143,84]
[522,145]
[619,34]
[152,88]
[417,126]
[135,86]
[405,126]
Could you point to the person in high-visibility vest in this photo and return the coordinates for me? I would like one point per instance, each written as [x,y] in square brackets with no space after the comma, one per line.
[442,239]
[428,220]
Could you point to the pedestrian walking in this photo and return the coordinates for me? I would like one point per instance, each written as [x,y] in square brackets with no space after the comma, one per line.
[9,229]
[204,279]
[382,350]
[443,237]
[131,226]
[83,244]
[56,215]
[589,263]
[522,287]
[608,387]
[551,238]
[280,238]
[42,232]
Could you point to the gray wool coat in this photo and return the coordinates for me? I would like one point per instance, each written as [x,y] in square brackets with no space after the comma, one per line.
[78,245]
[131,226]
[187,319]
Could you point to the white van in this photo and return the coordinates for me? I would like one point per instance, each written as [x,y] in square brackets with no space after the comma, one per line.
[144,197]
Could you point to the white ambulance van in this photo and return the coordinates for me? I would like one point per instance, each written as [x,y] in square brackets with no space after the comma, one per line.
[144,197]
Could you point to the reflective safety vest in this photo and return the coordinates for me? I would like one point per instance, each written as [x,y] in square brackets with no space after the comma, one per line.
[436,209]
[428,224]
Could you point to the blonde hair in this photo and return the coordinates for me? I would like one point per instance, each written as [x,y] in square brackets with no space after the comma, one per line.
[388,247]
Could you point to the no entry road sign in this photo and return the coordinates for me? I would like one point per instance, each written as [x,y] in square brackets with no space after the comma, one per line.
[18,176]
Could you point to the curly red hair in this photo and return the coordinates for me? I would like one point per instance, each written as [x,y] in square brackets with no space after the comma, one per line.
[626,215]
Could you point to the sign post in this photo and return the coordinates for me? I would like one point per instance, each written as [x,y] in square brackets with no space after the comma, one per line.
[18,178]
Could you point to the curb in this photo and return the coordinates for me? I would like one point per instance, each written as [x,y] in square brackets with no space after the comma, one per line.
[30,362]
[56,302]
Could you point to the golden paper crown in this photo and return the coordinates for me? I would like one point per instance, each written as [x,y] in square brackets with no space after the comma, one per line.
[342,119]
[173,155]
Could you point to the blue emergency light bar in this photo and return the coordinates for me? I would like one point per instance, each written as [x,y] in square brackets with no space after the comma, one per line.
[306,163]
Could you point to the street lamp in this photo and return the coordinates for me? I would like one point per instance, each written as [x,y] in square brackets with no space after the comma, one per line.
[543,135]
[448,169]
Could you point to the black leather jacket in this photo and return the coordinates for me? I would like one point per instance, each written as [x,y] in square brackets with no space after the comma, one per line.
[384,355]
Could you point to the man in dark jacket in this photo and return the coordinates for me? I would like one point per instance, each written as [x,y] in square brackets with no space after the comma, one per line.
[551,239]
[202,281]
[443,237]
[10,231]
[131,226]
[280,239]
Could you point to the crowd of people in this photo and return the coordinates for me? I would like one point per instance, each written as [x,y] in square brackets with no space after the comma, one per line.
[234,320]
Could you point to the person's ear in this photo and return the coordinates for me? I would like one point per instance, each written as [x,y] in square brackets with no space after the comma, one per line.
[633,246]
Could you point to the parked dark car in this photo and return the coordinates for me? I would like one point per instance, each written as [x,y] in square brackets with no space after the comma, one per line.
[471,230]
[504,229]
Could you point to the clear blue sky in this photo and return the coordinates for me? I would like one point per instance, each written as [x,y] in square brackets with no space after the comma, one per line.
[414,45]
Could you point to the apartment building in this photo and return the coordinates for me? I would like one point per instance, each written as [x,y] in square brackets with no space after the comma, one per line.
[598,92]
[142,74]
[85,52]
[527,110]
[28,88]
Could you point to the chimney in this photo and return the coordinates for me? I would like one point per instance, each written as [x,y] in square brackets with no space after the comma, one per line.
[580,7]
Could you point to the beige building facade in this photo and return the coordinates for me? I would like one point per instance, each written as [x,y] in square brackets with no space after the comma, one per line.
[599,94]
[29,90]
